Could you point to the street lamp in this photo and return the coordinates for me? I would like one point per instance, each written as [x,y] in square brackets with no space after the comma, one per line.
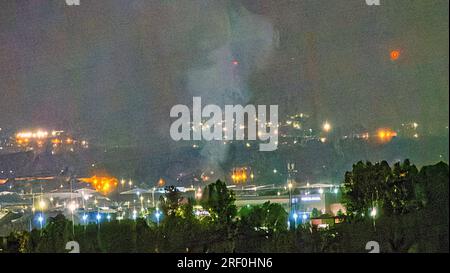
[157,214]
[98,217]
[40,220]
[153,196]
[373,214]
[295,220]
[42,205]
[199,193]
[290,195]
[326,126]
[141,198]
[85,217]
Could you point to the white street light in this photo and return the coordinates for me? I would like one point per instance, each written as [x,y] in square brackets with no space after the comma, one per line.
[40,220]
[373,213]
[157,214]
[326,126]
[42,204]
[295,219]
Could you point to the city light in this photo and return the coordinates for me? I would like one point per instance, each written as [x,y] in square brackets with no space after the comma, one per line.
[158,215]
[42,205]
[326,126]
[373,212]
[72,207]
[199,193]
[41,220]
[295,215]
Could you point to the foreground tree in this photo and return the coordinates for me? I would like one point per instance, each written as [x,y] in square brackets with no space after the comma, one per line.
[365,187]
[219,201]
[400,195]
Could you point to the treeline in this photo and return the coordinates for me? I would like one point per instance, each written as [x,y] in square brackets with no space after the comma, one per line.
[411,216]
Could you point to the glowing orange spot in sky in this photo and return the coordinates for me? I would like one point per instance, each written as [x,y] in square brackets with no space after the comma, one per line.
[395,54]
[234,62]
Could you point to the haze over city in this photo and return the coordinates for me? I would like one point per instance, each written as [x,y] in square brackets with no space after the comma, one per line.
[248,126]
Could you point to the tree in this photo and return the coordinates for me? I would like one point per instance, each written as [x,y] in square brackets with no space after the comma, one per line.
[171,201]
[365,187]
[400,188]
[432,186]
[219,201]
[315,213]
[55,235]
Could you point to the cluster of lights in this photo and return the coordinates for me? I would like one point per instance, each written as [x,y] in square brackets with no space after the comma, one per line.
[239,175]
[40,136]
[385,134]
[103,184]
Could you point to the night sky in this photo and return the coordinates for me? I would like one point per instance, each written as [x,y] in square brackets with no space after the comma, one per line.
[112,69]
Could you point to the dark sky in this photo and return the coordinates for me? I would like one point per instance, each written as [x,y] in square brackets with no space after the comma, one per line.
[112,69]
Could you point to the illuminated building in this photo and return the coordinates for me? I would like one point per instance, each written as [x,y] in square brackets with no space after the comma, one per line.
[40,139]
[241,175]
